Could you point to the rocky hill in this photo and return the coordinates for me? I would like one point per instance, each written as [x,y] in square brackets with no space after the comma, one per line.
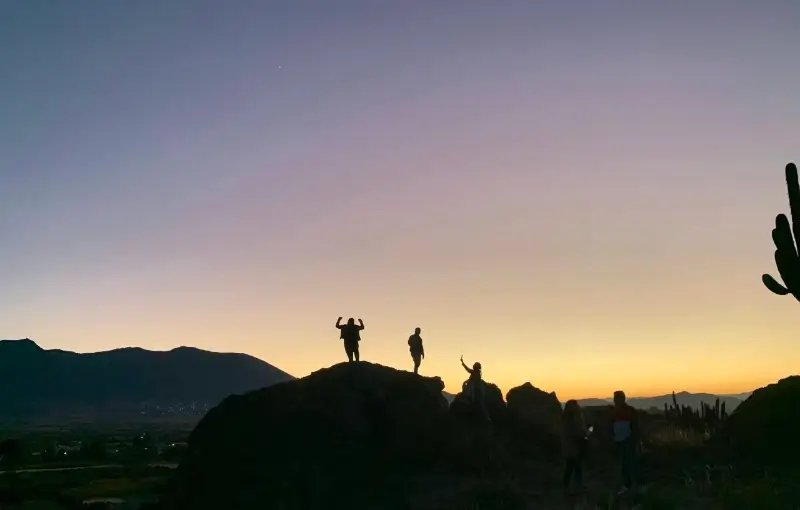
[764,428]
[359,436]
[34,380]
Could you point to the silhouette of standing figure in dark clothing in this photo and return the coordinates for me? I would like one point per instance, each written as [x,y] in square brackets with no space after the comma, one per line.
[417,351]
[574,436]
[351,334]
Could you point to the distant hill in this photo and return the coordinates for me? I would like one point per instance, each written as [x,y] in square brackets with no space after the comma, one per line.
[594,402]
[740,396]
[684,398]
[35,381]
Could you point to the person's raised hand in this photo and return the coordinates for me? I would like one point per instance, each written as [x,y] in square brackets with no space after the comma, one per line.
[340,318]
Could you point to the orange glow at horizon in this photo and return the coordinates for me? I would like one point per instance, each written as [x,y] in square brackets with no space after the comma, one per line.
[578,198]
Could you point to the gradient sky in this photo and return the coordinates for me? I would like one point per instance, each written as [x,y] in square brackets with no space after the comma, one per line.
[576,194]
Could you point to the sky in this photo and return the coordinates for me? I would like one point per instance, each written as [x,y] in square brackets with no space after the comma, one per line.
[576,194]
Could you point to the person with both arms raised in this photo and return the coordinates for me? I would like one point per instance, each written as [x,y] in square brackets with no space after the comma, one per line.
[351,334]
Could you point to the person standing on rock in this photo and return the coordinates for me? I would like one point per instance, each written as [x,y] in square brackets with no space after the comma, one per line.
[351,334]
[574,439]
[417,351]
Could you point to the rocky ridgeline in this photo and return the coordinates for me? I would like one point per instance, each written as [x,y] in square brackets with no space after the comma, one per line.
[349,435]
[362,435]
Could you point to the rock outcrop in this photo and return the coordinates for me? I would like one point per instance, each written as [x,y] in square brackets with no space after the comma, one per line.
[535,416]
[533,407]
[334,439]
[360,435]
[763,429]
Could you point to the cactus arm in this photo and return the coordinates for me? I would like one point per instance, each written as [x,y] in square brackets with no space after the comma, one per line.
[773,285]
[786,259]
[782,235]
[794,199]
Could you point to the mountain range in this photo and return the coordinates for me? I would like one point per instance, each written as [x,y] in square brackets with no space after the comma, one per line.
[125,382]
[135,384]
[693,400]
[684,398]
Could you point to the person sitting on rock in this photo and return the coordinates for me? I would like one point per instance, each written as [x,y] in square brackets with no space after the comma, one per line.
[474,386]
[351,334]
[574,440]
[417,351]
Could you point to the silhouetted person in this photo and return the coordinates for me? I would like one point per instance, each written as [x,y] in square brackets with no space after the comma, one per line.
[417,351]
[474,386]
[574,436]
[625,423]
[351,334]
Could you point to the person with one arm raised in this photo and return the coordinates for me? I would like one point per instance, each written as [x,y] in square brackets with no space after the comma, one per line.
[474,387]
[351,334]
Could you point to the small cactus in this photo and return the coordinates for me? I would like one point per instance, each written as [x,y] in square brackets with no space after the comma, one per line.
[785,237]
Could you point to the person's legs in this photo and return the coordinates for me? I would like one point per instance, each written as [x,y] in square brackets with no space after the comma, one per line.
[349,352]
[625,456]
[417,360]
[633,464]
[569,467]
[583,449]
[356,354]
[578,470]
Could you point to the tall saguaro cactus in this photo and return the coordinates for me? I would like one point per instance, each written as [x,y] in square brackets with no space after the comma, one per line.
[786,252]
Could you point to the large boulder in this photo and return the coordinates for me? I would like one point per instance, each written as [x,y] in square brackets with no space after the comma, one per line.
[338,438]
[529,405]
[764,428]
[475,445]
[535,417]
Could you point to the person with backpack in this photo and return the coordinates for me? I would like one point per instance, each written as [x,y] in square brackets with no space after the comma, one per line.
[416,349]
[350,333]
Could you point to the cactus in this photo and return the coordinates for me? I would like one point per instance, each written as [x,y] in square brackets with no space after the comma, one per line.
[708,418]
[786,253]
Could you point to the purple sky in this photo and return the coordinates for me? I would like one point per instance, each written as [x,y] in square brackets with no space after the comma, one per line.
[579,194]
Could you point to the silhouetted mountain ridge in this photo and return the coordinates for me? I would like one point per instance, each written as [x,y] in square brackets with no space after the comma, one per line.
[32,377]
[684,398]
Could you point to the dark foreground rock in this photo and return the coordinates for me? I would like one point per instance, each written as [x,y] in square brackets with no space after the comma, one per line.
[764,428]
[536,414]
[361,436]
[358,436]
[336,437]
